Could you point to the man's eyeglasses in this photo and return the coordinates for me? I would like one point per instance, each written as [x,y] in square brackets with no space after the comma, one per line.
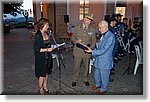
[100,27]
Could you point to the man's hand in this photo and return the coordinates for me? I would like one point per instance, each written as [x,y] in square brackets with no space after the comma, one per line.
[89,50]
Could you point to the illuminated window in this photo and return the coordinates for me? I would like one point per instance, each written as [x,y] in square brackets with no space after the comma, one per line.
[121,7]
[121,10]
[84,8]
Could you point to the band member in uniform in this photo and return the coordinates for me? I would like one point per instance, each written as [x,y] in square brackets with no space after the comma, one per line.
[112,23]
[137,34]
[126,33]
[119,26]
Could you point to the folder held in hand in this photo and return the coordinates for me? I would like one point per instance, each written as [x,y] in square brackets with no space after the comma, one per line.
[79,45]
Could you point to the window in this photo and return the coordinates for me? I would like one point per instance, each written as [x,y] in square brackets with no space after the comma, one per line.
[121,10]
[84,8]
[121,7]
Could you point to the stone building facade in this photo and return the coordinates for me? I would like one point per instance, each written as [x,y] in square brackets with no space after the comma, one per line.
[55,11]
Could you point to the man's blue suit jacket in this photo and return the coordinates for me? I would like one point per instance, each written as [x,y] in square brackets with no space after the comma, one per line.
[103,54]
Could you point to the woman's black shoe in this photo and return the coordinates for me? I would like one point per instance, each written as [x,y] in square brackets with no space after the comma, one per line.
[74,84]
[46,91]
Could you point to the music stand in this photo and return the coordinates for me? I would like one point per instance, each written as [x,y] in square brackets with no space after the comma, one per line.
[60,59]
[128,70]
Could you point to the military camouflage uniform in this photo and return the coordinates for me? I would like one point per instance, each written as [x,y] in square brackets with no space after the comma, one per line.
[88,37]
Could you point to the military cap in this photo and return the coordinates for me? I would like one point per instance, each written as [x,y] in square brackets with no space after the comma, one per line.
[118,14]
[111,19]
[89,16]
[114,15]
[125,19]
[136,18]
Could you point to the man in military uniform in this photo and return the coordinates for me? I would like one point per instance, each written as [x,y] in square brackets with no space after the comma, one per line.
[85,34]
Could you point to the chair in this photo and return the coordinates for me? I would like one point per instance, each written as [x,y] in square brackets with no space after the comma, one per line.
[90,65]
[67,39]
[141,48]
[91,62]
[138,58]
[54,56]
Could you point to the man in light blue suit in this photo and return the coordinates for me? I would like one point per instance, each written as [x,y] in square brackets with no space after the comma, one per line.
[103,55]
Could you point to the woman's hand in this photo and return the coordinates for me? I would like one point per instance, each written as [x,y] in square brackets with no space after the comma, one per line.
[50,49]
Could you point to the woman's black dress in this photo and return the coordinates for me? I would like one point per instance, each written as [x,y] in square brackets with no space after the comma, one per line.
[43,60]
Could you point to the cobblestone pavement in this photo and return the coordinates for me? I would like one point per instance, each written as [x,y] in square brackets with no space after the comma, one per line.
[19,77]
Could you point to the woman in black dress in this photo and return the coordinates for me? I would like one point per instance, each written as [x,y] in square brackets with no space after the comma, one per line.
[43,57]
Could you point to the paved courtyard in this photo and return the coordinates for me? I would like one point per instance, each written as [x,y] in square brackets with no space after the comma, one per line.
[19,76]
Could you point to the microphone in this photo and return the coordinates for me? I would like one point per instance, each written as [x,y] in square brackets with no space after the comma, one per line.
[50,33]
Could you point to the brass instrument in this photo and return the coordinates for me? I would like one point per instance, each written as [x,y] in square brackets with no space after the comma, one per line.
[119,38]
